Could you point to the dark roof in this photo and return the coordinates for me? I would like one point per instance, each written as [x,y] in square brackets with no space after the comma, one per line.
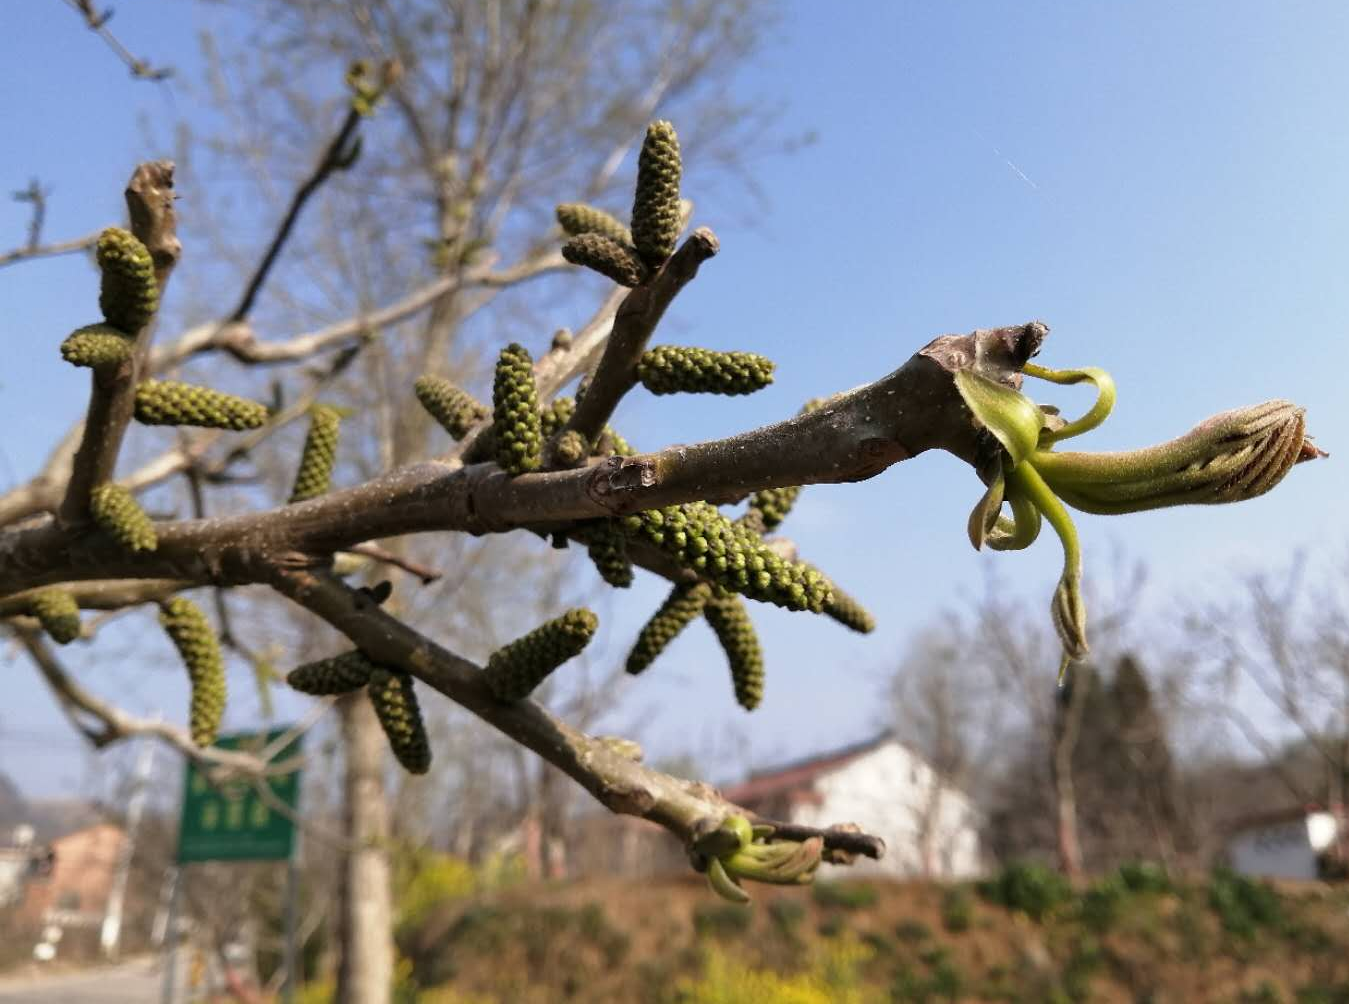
[799,774]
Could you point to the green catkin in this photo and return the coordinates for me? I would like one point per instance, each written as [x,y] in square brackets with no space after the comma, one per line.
[610,442]
[773,505]
[515,412]
[59,614]
[679,369]
[734,629]
[456,410]
[572,448]
[168,402]
[515,670]
[608,549]
[577,218]
[607,257]
[729,554]
[199,647]
[116,510]
[655,208]
[315,475]
[847,611]
[684,603]
[129,295]
[395,703]
[339,675]
[97,346]
[556,415]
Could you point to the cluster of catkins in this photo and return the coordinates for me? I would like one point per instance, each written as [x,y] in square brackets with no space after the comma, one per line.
[391,694]
[602,243]
[730,555]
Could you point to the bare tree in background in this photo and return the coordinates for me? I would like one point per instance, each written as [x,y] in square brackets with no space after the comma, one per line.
[960,738]
[1286,642]
[501,113]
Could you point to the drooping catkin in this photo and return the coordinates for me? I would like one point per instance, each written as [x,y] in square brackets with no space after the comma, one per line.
[116,510]
[849,612]
[655,208]
[59,614]
[729,554]
[97,346]
[577,218]
[773,505]
[607,257]
[681,369]
[340,674]
[731,622]
[199,647]
[395,703]
[515,670]
[515,412]
[608,549]
[684,603]
[315,475]
[129,295]
[455,409]
[168,402]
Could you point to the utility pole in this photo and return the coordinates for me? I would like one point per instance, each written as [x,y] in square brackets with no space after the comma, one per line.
[111,933]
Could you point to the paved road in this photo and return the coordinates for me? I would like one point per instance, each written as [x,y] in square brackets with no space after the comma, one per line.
[137,982]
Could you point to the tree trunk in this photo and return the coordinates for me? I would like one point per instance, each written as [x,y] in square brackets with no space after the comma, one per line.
[365,921]
[1067,727]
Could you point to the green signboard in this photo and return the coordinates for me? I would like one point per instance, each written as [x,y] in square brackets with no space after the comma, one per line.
[232,822]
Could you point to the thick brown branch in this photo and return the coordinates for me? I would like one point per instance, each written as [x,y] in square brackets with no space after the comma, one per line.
[685,808]
[149,198]
[855,436]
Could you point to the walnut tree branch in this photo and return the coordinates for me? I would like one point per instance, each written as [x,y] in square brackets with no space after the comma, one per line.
[149,198]
[685,808]
[854,436]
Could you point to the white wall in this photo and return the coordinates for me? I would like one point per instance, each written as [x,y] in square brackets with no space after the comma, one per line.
[1279,851]
[887,793]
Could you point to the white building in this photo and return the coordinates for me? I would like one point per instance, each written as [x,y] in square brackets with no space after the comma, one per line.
[930,829]
[1296,843]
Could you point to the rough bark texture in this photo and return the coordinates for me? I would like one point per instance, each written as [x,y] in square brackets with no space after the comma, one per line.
[365,970]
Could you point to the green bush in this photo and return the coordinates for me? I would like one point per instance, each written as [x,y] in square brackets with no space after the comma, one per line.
[1316,993]
[787,914]
[1100,905]
[912,931]
[848,895]
[1145,876]
[1244,907]
[957,909]
[718,920]
[1265,993]
[1031,888]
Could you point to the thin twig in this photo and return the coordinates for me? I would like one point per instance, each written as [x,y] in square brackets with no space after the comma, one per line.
[48,250]
[336,156]
[424,572]
[97,22]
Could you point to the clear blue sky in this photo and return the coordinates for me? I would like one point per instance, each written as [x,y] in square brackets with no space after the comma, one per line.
[1167,185]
